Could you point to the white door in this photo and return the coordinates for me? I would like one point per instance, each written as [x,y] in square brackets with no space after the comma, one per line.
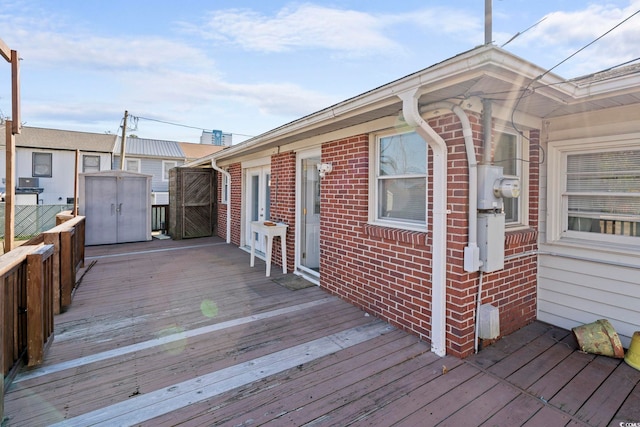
[258,201]
[309,255]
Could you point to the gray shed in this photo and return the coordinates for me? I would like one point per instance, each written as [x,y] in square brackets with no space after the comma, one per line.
[117,205]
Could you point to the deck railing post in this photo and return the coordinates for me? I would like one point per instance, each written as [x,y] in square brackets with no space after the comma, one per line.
[39,304]
[54,239]
[68,268]
[35,310]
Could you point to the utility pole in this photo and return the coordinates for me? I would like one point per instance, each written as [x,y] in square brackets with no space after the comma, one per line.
[488,22]
[123,143]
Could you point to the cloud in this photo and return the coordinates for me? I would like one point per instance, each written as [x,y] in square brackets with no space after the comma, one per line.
[310,26]
[563,33]
[305,26]
[193,90]
[102,53]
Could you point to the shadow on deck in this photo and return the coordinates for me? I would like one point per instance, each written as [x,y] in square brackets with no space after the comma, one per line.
[186,333]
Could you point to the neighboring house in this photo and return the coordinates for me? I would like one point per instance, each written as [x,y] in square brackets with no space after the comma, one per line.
[156,157]
[404,221]
[45,162]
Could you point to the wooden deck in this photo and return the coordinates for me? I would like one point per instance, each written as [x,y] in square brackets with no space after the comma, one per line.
[167,333]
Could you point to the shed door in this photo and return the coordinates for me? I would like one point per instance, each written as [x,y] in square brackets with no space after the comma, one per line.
[102,217]
[197,202]
[132,209]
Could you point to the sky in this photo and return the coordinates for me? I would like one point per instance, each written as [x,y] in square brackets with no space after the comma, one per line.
[247,67]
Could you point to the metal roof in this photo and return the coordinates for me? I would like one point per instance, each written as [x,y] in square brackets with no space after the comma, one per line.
[143,147]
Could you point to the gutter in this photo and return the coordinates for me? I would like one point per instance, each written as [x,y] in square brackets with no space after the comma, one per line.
[412,117]
[228,175]
[481,60]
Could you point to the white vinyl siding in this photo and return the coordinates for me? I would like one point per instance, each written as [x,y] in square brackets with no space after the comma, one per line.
[586,271]
[573,291]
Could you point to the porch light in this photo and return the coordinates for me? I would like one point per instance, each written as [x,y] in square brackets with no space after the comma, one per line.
[324,168]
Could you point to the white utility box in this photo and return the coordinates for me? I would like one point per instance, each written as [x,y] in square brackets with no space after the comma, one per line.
[489,322]
[491,241]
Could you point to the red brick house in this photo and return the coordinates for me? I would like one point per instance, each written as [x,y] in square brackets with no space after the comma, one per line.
[401,200]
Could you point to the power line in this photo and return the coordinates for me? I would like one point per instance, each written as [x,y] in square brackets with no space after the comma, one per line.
[587,45]
[184,126]
[527,90]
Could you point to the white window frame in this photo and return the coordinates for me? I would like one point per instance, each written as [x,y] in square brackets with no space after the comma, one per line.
[128,161]
[35,164]
[557,226]
[374,167]
[522,174]
[226,188]
[166,165]
[84,162]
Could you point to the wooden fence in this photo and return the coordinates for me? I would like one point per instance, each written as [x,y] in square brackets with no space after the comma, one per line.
[37,281]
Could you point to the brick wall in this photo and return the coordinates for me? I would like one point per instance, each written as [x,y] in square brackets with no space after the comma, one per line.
[235,170]
[283,202]
[386,271]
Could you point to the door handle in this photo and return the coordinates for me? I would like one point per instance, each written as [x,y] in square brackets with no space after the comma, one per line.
[120,208]
[113,209]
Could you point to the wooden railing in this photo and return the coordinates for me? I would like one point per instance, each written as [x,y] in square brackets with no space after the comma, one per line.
[67,239]
[36,281]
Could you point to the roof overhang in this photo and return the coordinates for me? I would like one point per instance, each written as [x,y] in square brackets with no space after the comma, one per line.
[512,83]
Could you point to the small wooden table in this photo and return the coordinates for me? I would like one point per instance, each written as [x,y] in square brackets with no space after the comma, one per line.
[269,231]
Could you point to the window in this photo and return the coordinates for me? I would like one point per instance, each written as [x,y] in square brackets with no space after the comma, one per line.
[90,163]
[400,194]
[132,165]
[225,188]
[510,154]
[42,165]
[601,197]
[166,165]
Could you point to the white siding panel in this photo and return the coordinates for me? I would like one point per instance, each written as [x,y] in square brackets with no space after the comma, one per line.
[565,317]
[574,292]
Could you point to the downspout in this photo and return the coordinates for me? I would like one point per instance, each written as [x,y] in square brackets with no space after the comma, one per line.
[412,116]
[228,175]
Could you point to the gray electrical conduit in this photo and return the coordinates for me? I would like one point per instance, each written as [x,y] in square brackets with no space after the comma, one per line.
[472,243]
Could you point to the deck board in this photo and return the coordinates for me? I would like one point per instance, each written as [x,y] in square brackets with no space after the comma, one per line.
[605,402]
[150,317]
